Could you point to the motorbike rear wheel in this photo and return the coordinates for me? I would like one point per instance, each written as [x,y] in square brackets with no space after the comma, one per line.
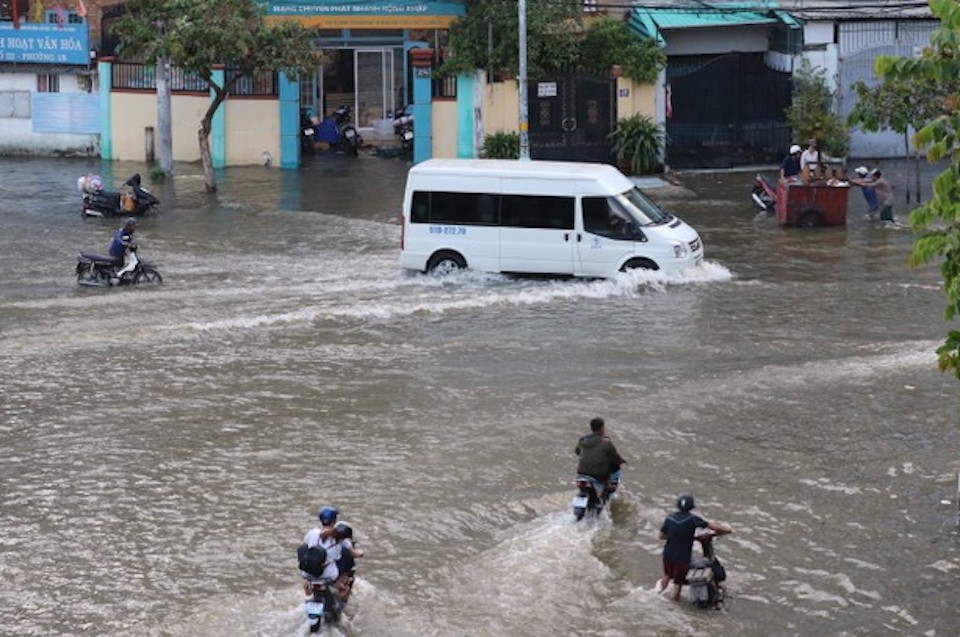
[91,275]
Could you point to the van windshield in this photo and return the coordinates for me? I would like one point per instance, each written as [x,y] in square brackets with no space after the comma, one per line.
[642,208]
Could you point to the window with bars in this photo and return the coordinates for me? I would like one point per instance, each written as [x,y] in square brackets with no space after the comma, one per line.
[48,84]
[69,17]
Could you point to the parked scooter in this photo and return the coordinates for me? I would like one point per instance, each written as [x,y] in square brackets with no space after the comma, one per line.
[308,132]
[348,139]
[403,127]
[764,194]
[706,575]
[593,495]
[98,202]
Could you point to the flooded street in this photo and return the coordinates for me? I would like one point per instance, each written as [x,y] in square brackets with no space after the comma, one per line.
[164,449]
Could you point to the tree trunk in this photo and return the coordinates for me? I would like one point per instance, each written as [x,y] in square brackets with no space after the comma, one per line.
[209,179]
[906,147]
[916,169]
[164,117]
[206,124]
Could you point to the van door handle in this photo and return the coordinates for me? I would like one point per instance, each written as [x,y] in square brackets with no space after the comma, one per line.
[566,237]
[579,237]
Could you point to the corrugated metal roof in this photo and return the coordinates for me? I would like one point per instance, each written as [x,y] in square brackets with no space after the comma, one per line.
[649,19]
[731,15]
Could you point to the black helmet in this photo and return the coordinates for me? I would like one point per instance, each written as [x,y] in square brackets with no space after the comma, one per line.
[342,531]
[327,515]
[685,502]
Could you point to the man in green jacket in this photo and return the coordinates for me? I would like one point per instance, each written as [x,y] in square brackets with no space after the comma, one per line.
[598,457]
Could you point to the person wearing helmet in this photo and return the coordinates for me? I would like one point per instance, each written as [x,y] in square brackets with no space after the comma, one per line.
[598,455]
[790,166]
[679,530]
[121,247]
[346,564]
[322,536]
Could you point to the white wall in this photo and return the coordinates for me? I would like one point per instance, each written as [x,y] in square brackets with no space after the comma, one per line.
[17,136]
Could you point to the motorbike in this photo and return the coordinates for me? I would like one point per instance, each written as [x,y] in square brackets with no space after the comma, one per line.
[308,132]
[403,128]
[98,202]
[321,606]
[593,495]
[764,194]
[348,138]
[94,270]
[706,575]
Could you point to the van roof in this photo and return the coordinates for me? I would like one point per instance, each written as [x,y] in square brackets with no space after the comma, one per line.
[515,167]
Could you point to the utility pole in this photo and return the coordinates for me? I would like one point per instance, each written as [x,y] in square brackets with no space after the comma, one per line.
[524,134]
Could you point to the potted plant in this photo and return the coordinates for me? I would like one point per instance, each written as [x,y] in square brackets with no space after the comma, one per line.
[501,146]
[637,144]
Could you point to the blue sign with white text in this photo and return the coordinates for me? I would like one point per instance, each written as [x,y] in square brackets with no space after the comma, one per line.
[44,43]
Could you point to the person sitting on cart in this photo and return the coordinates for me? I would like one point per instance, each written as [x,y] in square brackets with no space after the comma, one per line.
[790,166]
[810,161]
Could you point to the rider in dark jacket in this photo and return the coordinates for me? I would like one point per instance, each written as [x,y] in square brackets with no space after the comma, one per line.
[598,455]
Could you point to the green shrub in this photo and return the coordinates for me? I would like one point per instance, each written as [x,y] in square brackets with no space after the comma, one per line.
[637,144]
[501,146]
[810,114]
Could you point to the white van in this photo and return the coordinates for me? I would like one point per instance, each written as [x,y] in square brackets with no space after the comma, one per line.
[537,217]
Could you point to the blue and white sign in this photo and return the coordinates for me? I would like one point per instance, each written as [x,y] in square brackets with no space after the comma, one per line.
[44,43]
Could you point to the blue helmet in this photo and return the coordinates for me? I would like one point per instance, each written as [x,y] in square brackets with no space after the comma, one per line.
[685,502]
[327,515]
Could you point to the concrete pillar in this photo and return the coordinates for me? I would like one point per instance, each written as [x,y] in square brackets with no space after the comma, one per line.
[422,62]
[289,121]
[218,126]
[105,72]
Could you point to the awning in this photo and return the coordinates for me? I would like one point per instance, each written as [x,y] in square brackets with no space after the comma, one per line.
[651,21]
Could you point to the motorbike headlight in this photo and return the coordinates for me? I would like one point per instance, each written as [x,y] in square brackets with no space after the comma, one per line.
[679,250]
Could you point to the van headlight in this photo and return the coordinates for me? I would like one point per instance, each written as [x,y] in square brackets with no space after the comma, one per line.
[679,250]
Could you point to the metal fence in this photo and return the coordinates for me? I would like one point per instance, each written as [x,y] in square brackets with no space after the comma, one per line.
[138,76]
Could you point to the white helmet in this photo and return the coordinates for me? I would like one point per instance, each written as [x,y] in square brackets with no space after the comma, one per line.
[794,149]
[862,171]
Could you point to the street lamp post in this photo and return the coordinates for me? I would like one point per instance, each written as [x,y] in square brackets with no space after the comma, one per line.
[524,135]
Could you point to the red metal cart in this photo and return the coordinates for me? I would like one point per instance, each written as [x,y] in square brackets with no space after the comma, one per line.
[810,206]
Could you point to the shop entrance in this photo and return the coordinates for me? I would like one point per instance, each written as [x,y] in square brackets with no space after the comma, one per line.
[368,79]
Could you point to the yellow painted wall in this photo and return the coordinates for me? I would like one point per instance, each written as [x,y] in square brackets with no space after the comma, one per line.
[444,127]
[501,107]
[253,126]
[501,104]
[132,113]
[640,98]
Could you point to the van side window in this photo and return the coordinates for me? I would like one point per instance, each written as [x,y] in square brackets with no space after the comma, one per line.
[420,208]
[606,217]
[596,215]
[462,207]
[525,211]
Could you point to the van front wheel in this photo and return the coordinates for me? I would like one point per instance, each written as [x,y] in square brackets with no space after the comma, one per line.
[444,263]
[639,264]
